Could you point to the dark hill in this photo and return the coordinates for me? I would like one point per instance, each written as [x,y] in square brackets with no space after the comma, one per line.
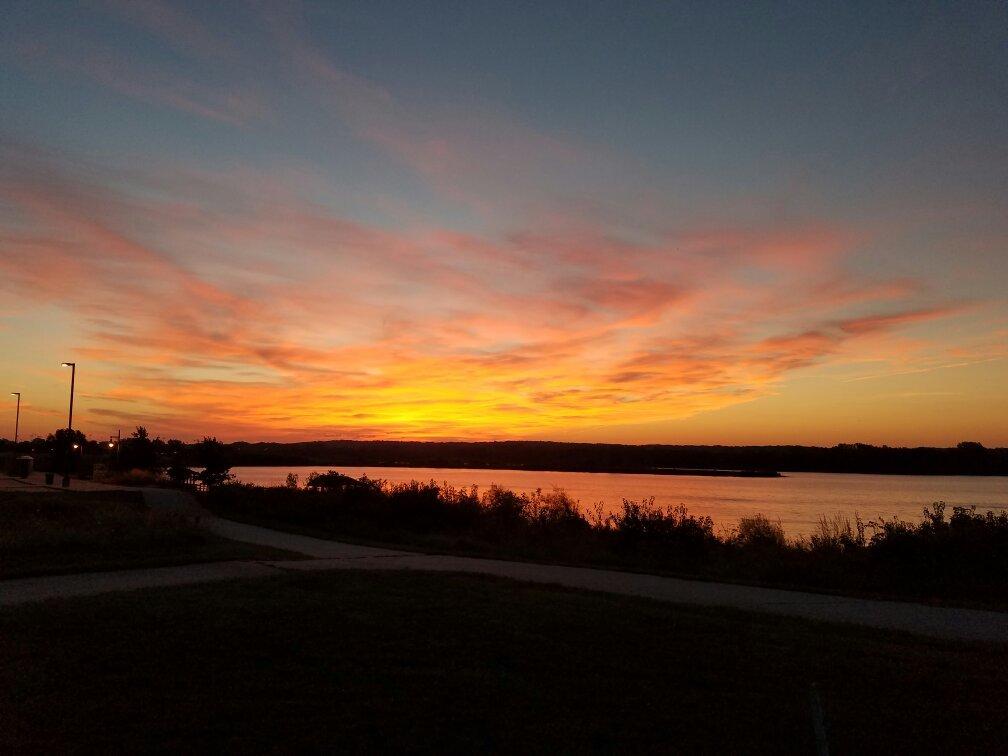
[967,458]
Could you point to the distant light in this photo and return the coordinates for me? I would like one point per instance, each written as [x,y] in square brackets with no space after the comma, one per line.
[110,444]
[76,446]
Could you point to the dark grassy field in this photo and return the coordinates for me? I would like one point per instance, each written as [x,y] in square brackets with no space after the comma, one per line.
[448,663]
[53,532]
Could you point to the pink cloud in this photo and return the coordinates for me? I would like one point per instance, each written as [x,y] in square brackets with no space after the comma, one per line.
[373,331]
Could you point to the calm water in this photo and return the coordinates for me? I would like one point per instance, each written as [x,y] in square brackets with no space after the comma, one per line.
[798,499]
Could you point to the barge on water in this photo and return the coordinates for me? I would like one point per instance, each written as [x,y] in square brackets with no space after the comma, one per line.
[715,473]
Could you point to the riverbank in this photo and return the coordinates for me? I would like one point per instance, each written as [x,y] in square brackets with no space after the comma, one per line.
[797,500]
[946,557]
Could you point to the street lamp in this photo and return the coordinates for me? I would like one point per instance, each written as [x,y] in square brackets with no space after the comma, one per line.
[17,417]
[73,376]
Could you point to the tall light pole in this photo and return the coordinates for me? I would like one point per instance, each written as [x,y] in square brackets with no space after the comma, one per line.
[17,417]
[73,376]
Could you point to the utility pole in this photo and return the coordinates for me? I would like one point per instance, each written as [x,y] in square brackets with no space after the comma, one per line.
[73,376]
[17,417]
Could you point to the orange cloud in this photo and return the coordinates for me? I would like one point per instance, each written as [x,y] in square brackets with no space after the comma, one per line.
[215,303]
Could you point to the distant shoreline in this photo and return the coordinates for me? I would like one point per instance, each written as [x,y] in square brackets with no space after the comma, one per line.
[968,458]
[702,472]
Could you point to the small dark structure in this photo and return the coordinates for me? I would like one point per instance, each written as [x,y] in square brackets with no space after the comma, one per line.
[23,466]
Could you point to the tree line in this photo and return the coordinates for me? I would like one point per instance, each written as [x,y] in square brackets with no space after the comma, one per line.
[141,451]
[70,450]
[967,458]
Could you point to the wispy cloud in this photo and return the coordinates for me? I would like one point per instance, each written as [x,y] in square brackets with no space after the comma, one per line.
[413,333]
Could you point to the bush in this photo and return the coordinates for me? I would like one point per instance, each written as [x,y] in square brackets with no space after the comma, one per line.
[554,511]
[645,525]
[758,531]
[329,481]
[836,534]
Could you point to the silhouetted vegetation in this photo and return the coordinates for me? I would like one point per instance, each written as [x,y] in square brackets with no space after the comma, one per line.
[962,558]
[968,458]
[143,452]
[139,452]
[139,459]
[177,469]
[212,456]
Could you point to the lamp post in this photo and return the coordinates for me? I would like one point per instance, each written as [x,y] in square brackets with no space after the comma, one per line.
[73,377]
[17,417]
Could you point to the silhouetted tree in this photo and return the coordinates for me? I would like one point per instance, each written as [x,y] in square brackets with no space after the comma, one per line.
[178,470]
[138,451]
[210,453]
[60,445]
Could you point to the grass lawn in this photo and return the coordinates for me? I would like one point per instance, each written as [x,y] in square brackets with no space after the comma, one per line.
[446,663]
[53,532]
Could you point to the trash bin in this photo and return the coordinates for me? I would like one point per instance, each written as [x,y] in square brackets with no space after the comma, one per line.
[23,466]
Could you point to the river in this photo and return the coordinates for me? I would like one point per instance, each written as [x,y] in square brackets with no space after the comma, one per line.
[796,499]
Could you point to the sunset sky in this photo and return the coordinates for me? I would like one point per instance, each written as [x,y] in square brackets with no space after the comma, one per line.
[679,223]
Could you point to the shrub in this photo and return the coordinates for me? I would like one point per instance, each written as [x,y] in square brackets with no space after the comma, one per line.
[504,506]
[836,534]
[554,511]
[328,481]
[759,531]
[644,523]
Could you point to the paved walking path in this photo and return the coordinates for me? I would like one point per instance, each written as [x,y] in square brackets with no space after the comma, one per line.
[935,622]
